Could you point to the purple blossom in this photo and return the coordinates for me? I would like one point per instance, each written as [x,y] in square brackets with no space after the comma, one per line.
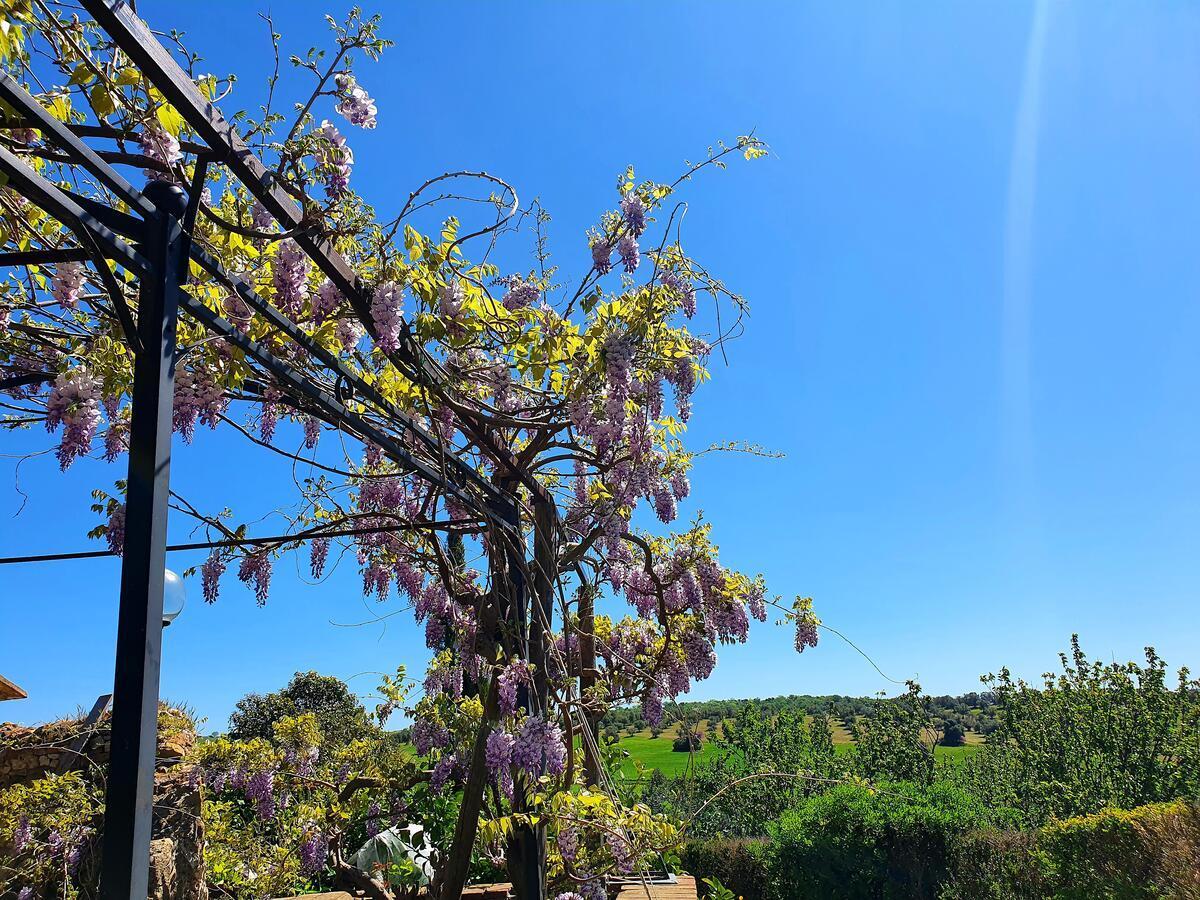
[499,755]
[569,895]
[348,332]
[806,631]
[353,101]
[630,253]
[25,893]
[319,552]
[387,308]
[313,851]
[374,821]
[683,289]
[756,602]
[377,579]
[74,402]
[237,311]
[259,788]
[568,843]
[633,210]
[664,505]
[312,432]
[116,437]
[520,294]
[514,674]
[66,283]
[334,158]
[161,146]
[446,769]
[198,397]
[329,298]
[429,734]
[114,532]
[602,255]
[539,747]
[260,219]
[499,750]
[652,708]
[21,834]
[450,298]
[680,486]
[622,851]
[699,656]
[255,570]
[289,277]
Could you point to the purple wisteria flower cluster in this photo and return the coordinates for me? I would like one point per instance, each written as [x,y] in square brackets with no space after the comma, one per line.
[74,404]
[353,101]
[160,146]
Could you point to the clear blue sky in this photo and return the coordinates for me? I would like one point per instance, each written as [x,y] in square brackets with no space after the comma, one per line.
[973,269]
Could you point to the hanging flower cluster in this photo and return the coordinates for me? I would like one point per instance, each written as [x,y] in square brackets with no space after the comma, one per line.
[162,147]
[74,404]
[353,101]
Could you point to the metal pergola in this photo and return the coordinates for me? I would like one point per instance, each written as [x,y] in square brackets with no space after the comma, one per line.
[153,242]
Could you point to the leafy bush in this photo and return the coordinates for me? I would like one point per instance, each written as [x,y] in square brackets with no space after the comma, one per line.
[792,757]
[687,742]
[738,864]
[1149,852]
[853,841]
[895,743]
[340,717]
[1092,737]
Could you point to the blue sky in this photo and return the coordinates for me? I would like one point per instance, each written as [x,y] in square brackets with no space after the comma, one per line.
[973,272]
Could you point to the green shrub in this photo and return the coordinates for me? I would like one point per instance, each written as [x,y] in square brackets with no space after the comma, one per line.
[852,841]
[995,864]
[740,865]
[1149,852]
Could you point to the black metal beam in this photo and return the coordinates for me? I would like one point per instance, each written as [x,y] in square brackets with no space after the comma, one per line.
[129,796]
[115,221]
[138,42]
[63,207]
[18,98]
[43,257]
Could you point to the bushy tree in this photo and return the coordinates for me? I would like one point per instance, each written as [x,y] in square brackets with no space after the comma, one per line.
[953,734]
[339,715]
[572,398]
[762,764]
[896,741]
[1092,736]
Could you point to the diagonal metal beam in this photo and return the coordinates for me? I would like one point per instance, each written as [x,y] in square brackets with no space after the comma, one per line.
[122,223]
[138,42]
[65,208]
[17,97]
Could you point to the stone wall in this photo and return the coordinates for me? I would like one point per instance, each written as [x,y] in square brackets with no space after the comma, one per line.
[176,854]
[27,754]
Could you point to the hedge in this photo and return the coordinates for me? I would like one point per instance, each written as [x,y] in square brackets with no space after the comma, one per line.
[938,842]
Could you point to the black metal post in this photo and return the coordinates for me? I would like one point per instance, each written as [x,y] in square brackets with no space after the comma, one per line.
[129,801]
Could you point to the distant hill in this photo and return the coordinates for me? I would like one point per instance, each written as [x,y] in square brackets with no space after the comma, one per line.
[975,711]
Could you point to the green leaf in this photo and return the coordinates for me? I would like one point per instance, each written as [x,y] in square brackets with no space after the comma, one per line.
[81,75]
[102,100]
[169,119]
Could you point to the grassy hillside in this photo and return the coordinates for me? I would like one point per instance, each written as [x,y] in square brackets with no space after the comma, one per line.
[656,752]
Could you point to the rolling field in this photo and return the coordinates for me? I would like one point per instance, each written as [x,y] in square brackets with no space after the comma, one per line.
[656,753]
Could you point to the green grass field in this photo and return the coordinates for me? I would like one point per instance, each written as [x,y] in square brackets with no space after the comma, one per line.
[656,753]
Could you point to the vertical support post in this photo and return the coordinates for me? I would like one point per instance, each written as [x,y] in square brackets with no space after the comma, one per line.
[452,878]
[587,678]
[527,849]
[129,800]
